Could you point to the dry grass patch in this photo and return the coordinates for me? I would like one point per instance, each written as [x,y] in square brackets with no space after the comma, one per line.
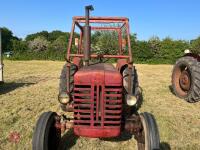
[31,88]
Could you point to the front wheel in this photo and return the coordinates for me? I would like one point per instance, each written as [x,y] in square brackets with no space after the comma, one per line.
[149,139]
[46,136]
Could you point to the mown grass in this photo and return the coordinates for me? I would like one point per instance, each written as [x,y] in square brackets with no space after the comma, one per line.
[31,88]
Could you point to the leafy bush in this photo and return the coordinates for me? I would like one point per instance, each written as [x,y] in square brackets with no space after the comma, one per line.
[195,46]
[19,46]
[53,45]
[59,44]
[38,55]
[38,44]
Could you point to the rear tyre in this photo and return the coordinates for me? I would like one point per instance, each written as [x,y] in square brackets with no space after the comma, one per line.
[46,136]
[149,139]
[186,79]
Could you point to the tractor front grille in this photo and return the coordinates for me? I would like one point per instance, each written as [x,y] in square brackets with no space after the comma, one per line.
[97,106]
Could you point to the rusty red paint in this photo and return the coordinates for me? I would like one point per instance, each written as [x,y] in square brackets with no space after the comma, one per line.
[184,80]
[103,56]
[105,28]
[97,112]
[121,63]
[97,98]
[77,61]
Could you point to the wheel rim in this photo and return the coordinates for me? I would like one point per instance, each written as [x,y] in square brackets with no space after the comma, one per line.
[185,80]
[182,80]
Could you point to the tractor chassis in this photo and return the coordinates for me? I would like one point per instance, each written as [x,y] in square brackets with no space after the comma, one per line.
[131,124]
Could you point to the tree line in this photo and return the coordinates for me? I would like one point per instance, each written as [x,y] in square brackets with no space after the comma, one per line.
[46,45]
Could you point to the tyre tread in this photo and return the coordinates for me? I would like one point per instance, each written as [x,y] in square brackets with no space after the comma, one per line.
[194,94]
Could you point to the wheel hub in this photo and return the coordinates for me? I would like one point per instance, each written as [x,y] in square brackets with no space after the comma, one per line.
[184,80]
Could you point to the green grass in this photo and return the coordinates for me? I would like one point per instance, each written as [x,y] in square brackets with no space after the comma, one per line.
[31,87]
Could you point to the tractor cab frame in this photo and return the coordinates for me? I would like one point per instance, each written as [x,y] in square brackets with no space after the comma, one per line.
[124,60]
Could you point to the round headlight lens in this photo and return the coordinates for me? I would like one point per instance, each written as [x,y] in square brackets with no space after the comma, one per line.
[131,100]
[63,98]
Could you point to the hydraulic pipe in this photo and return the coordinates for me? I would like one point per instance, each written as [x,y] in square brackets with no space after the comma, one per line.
[87,35]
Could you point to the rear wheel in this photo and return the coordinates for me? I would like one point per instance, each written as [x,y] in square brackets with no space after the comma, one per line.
[149,138]
[46,136]
[186,79]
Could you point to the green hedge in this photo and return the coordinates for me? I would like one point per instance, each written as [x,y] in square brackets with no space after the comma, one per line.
[42,55]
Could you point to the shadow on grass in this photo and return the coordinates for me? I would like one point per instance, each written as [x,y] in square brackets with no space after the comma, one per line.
[68,140]
[171,90]
[165,146]
[8,87]
[123,137]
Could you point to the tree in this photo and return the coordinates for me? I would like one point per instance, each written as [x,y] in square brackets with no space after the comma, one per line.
[105,42]
[195,46]
[155,45]
[31,37]
[38,44]
[59,44]
[7,37]
[56,34]
[19,46]
[142,51]
[133,38]
[172,49]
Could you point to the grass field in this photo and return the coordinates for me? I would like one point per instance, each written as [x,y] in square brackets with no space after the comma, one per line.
[31,87]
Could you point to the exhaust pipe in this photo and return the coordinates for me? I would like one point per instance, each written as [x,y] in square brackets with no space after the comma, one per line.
[87,35]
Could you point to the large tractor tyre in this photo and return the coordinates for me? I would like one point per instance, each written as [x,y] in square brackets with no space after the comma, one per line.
[63,78]
[186,79]
[134,81]
[150,139]
[46,136]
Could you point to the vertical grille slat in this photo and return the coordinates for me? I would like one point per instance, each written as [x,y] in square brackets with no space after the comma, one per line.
[97,106]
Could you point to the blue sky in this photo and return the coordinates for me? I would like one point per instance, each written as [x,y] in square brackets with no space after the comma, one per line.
[179,19]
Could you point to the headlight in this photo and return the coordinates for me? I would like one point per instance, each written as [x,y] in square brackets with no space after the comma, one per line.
[63,98]
[131,100]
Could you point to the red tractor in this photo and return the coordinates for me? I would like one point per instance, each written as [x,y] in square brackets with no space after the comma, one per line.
[186,77]
[103,98]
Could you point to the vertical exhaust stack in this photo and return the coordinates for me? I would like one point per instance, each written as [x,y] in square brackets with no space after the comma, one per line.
[87,35]
[1,60]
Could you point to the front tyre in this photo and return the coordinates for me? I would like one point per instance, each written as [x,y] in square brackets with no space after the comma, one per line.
[63,78]
[149,139]
[46,136]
